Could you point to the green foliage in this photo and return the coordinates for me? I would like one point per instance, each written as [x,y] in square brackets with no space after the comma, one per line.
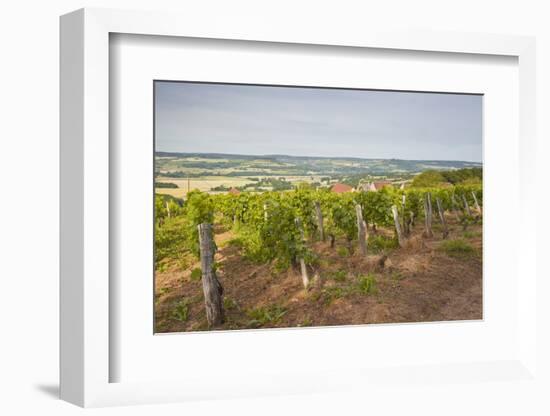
[381,243]
[165,185]
[196,274]
[343,251]
[266,315]
[377,205]
[163,203]
[472,176]
[198,209]
[366,284]
[220,188]
[457,248]
[229,303]
[171,240]
[266,224]
[330,294]
[339,213]
[427,179]
[181,310]
[434,178]
[471,234]
[265,227]
[338,276]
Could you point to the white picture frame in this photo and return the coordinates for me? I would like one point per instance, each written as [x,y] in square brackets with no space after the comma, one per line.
[85,211]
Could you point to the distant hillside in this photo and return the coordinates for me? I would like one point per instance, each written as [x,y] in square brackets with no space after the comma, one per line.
[195,164]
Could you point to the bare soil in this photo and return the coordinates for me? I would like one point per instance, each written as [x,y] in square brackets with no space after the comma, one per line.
[417,283]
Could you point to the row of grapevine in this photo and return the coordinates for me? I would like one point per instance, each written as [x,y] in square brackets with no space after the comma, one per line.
[266,222]
[274,227]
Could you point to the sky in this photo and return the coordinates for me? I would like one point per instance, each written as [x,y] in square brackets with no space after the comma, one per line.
[264,120]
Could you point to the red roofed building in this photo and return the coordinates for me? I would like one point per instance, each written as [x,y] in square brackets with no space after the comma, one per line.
[234,191]
[340,188]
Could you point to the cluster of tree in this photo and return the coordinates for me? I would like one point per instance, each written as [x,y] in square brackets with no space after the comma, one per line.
[275,184]
[435,178]
[165,185]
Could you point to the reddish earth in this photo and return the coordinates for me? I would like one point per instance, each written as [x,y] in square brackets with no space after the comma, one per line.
[418,283]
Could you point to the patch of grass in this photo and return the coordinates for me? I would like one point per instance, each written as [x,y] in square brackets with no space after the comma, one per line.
[471,234]
[324,263]
[367,284]
[229,303]
[160,292]
[343,251]
[338,276]
[395,278]
[181,311]
[266,315]
[330,294]
[457,248]
[196,274]
[235,242]
[379,243]
[163,291]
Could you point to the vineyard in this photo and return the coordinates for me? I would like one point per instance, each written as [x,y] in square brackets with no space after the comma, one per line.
[310,257]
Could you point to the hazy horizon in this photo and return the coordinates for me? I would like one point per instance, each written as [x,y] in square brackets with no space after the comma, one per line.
[315,156]
[315,122]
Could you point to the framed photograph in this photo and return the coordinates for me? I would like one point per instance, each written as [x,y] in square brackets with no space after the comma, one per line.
[287,206]
[270,212]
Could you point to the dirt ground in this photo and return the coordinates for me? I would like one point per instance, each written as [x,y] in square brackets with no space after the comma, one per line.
[420,282]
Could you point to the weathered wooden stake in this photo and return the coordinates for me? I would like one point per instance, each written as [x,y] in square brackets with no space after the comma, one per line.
[361,230]
[320,220]
[442,218]
[167,209]
[455,210]
[405,223]
[466,206]
[400,236]
[213,290]
[478,208]
[303,268]
[266,215]
[428,216]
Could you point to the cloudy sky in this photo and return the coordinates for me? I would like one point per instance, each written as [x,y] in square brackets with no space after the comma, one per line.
[261,120]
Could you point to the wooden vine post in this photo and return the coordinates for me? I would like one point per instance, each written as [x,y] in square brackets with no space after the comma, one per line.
[442,218]
[361,230]
[400,236]
[466,206]
[478,208]
[266,215]
[406,224]
[168,209]
[213,290]
[455,210]
[303,268]
[428,216]
[320,225]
